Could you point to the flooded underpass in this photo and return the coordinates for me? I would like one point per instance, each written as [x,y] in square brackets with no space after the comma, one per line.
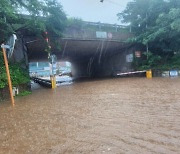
[122,115]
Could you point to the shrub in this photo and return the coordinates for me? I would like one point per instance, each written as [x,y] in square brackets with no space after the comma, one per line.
[18,74]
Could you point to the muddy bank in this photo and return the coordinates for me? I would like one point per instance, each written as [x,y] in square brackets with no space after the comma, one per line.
[123,115]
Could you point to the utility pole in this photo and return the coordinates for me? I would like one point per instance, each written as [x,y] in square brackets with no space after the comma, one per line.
[147,46]
[8,74]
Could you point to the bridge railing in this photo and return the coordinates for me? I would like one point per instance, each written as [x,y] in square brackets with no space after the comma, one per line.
[85,34]
[42,82]
[93,30]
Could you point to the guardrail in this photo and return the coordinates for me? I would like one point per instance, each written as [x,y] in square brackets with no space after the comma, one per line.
[42,82]
[91,34]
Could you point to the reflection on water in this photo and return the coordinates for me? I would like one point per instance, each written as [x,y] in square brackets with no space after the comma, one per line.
[125,115]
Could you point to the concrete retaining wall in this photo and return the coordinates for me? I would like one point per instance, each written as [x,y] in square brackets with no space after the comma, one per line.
[4,93]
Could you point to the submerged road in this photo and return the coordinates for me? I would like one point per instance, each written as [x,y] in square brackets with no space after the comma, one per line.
[123,115]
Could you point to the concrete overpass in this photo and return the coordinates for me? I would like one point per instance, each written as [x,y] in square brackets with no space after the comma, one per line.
[92,53]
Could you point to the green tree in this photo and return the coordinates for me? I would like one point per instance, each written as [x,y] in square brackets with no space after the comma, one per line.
[33,15]
[155,23]
[18,74]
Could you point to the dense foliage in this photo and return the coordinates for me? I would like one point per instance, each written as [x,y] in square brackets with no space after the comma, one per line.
[34,15]
[18,74]
[155,24]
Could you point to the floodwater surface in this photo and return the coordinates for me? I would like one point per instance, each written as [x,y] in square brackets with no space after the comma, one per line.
[123,115]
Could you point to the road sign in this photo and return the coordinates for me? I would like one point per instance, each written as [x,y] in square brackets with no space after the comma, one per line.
[102,35]
[138,54]
[11,43]
[5,46]
[110,35]
[129,58]
[173,73]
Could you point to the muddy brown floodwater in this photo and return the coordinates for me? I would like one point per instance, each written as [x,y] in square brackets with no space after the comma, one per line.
[123,115]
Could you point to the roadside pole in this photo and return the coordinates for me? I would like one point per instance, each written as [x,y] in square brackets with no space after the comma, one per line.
[53,77]
[52,59]
[8,74]
[53,81]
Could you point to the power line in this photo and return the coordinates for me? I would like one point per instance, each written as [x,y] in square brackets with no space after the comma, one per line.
[112,2]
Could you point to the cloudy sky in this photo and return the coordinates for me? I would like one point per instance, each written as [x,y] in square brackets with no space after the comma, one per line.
[94,10]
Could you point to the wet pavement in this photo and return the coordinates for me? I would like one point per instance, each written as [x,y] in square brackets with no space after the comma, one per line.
[122,115]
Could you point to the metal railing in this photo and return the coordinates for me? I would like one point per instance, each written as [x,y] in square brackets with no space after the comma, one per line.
[42,82]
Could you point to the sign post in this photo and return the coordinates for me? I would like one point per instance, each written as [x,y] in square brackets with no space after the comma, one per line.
[52,60]
[8,74]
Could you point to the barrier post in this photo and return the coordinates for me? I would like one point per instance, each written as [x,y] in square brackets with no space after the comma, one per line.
[149,74]
[54,78]
[53,82]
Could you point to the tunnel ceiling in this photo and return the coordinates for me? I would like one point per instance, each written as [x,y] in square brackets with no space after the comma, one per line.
[73,50]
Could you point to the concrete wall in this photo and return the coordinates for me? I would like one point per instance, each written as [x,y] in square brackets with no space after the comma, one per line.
[118,63]
[20,53]
[92,65]
[5,95]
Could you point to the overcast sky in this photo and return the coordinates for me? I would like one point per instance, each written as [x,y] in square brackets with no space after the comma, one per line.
[94,10]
